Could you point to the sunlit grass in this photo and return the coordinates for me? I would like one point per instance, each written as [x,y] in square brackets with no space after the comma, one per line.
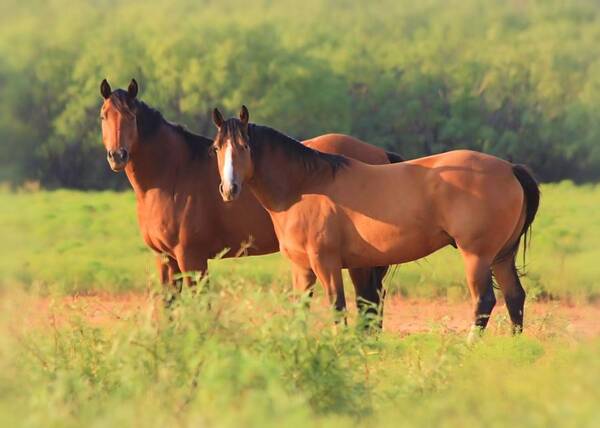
[76,242]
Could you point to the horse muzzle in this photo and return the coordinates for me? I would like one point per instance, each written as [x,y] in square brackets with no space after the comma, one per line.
[229,192]
[117,159]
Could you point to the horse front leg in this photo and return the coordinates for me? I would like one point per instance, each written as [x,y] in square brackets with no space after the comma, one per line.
[168,271]
[193,264]
[329,272]
[303,281]
[162,264]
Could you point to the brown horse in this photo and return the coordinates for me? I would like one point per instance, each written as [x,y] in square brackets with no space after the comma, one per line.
[180,212]
[332,212]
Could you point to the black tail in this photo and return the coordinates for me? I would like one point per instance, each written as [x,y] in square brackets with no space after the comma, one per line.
[531,189]
[394,157]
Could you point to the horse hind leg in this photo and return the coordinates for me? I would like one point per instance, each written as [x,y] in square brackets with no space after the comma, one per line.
[479,280]
[507,277]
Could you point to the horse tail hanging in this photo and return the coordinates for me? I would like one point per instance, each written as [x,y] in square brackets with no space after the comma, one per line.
[531,189]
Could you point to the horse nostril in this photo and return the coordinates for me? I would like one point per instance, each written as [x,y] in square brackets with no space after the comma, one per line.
[221,188]
[234,189]
[118,157]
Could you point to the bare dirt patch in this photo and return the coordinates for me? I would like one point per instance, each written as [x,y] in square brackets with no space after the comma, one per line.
[402,315]
[406,316]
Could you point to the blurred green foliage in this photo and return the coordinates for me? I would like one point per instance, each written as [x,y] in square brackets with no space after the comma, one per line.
[518,79]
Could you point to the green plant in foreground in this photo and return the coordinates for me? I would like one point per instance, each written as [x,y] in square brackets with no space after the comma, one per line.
[237,355]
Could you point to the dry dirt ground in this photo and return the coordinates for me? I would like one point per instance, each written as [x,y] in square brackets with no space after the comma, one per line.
[402,315]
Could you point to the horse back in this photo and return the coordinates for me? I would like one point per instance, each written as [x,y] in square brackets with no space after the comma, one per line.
[350,147]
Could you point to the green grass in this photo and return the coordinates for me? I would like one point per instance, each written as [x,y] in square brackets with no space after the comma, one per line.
[241,353]
[76,242]
[254,359]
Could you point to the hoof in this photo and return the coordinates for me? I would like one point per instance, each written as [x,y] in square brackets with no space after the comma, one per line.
[517,330]
[169,299]
[475,335]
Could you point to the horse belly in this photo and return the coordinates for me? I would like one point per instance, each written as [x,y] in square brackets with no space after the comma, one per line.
[387,245]
[251,243]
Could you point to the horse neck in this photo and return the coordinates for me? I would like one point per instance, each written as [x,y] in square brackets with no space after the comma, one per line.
[154,165]
[277,182]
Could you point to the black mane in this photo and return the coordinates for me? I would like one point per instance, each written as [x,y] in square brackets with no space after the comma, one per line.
[263,136]
[149,121]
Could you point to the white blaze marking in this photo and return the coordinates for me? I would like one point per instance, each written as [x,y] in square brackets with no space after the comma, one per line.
[228,166]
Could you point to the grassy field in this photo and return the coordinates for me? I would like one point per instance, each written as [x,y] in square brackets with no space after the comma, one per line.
[252,358]
[243,354]
[65,242]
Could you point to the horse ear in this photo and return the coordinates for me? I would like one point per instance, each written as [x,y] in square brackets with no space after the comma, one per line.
[105,89]
[244,115]
[132,89]
[217,118]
